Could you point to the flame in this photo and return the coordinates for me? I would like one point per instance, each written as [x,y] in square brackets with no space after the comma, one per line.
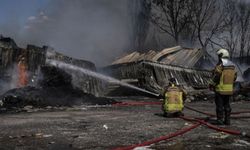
[22,74]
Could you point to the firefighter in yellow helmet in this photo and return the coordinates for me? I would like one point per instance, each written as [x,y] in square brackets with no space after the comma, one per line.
[174,96]
[224,75]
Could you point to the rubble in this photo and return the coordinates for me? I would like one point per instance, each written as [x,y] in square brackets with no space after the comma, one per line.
[36,57]
[54,89]
[154,76]
[151,70]
[242,91]
[86,83]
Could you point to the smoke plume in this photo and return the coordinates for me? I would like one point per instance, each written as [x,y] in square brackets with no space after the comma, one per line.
[95,30]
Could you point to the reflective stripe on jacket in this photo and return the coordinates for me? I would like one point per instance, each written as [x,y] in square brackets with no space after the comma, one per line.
[173,101]
[227,74]
[225,86]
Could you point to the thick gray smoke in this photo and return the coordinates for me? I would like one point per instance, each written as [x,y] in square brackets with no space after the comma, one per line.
[95,30]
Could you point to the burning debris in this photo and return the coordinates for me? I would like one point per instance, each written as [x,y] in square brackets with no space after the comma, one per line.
[20,67]
[53,89]
[22,72]
[29,78]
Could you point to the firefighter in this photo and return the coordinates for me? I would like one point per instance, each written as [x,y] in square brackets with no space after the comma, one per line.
[22,72]
[224,75]
[173,100]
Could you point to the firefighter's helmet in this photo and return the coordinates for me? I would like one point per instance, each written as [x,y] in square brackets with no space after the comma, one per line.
[172,80]
[223,53]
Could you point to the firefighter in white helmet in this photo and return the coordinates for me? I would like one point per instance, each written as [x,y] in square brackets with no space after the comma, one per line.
[224,75]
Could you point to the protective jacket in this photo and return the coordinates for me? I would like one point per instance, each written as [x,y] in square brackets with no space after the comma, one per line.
[224,76]
[173,100]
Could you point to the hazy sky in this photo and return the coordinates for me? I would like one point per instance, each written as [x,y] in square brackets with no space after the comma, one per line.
[21,9]
[95,30]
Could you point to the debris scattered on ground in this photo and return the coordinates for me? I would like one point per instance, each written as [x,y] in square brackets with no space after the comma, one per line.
[105,126]
[218,135]
[240,142]
[143,148]
[47,135]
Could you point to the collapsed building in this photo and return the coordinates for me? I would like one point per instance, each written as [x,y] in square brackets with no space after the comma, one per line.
[35,57]
[55,89]
[27,77]
[152,69]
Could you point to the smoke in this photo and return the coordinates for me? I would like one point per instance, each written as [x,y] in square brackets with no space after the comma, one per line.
[95,30]
[102,77]
[243,68]
[12,80]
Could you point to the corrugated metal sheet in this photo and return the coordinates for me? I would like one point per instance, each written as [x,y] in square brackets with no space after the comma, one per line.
[185,57]
[166,52]
[154,76]
[128,58]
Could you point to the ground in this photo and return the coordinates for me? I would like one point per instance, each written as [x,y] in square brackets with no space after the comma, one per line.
[109,127]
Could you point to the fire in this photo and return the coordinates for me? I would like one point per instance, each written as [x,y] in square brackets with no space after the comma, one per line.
[22,73]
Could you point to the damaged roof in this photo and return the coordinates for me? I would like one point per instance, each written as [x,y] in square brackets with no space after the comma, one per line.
[180,56]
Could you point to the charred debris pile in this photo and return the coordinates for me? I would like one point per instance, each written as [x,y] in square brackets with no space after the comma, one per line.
[27,79]
[34,57]
[54,89]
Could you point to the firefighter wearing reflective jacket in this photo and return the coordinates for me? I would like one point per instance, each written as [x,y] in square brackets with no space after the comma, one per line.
[223,79]
[173,100]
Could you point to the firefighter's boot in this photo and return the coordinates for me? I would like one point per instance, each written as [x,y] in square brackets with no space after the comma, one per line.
[219,113]
[227,116]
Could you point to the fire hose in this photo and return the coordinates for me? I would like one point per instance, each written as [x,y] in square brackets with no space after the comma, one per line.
[205,113]
[136,103]
[212,115]
[233,132]
[182,131]
[156,140]
[190,108]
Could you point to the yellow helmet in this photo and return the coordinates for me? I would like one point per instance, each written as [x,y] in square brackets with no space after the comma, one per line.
[223,53]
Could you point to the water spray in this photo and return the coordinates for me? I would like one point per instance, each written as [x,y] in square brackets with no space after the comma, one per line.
[64,65]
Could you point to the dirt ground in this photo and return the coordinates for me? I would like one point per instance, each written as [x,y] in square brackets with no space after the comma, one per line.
[109,127]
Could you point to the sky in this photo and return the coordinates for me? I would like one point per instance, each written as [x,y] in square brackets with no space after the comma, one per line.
[21,9]
[84,29]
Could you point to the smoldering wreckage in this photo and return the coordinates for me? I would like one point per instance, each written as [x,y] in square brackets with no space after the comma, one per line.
[37,78]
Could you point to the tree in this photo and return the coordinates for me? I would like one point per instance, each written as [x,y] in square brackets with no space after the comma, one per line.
[244,23]
[231,34]
[207,19]
[140,11]
[170,16]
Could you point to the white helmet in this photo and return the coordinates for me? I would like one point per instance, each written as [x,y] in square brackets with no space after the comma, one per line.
[223,53]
